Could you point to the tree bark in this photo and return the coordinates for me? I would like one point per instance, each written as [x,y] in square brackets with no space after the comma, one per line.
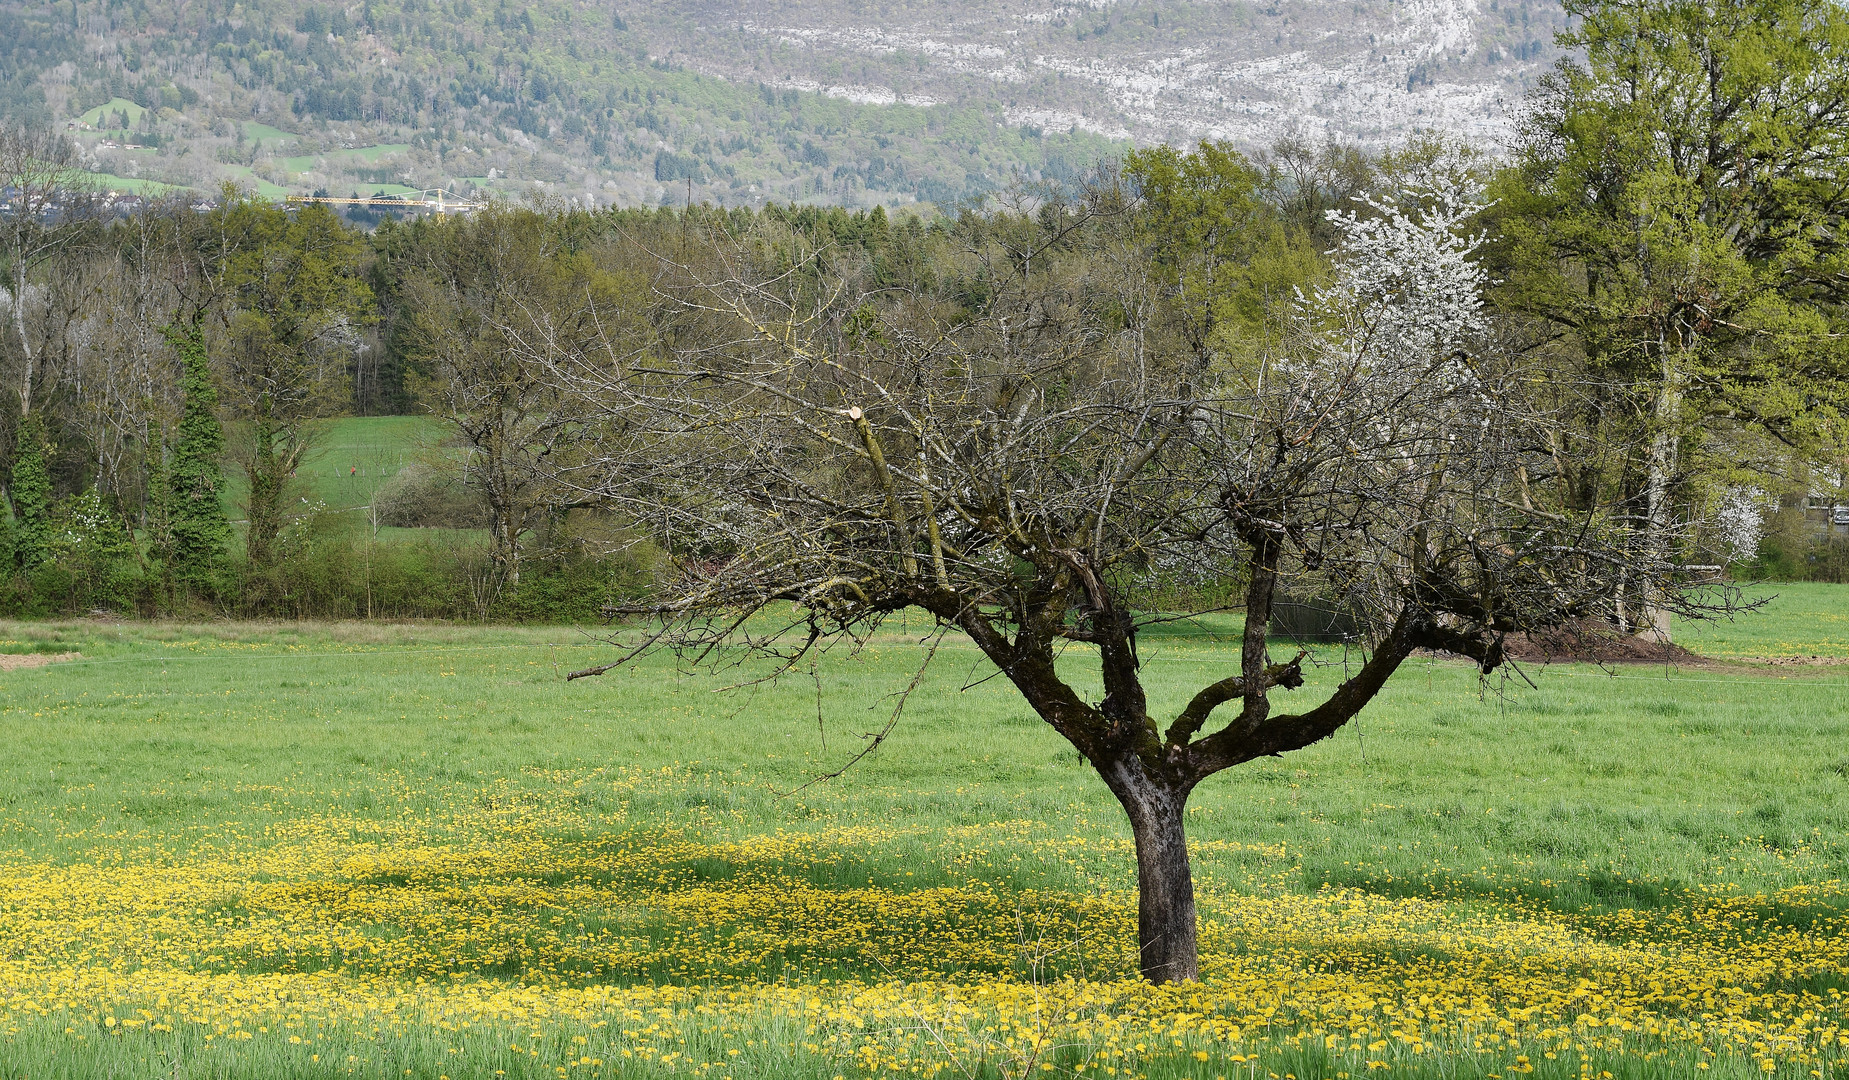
[1167,943]
[1652,617]
[264,512]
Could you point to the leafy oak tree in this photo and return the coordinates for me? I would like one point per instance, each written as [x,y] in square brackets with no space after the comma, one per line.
[292,300]
[1678,214]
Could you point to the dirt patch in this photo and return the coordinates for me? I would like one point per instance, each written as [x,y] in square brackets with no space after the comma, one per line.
[1594,644]
[1792,661]
[14,661]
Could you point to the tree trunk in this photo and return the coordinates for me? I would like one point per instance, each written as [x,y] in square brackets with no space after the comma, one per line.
[265,508]
[25,340]
[1167,944]
[1652,617]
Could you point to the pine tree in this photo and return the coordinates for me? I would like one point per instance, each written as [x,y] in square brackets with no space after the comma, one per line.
[31,497]
[201,535]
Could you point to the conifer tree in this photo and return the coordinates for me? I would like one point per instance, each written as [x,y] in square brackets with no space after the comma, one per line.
[31,497]
[195,514]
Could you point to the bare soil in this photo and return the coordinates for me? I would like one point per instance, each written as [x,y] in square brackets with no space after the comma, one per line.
[15,661]
[1595,643]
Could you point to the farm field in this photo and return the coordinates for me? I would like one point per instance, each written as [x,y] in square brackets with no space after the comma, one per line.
[99,117]
[245,177]
[413,850]
[109,182]
[351,458]
[255,131]
[364,154]
[354,455]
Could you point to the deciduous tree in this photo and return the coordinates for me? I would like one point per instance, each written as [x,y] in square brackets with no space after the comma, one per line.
[1678,213]
[293,296]
[1014,457]
[494,305]
[42,213]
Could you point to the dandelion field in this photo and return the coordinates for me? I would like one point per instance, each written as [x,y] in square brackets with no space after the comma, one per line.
[413,851]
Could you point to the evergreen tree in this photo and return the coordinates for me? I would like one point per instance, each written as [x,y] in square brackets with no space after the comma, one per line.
[31,497]
[199,532]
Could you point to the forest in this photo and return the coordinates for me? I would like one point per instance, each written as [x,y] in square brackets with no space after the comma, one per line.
[1665,273]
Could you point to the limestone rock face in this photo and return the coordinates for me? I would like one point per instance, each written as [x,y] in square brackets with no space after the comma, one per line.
[1251,71]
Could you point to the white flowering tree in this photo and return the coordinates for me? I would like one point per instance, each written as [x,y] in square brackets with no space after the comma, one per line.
[1013,450]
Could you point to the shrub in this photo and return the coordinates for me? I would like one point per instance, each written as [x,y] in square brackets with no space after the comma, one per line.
[422,496]
[94,556]
[1794,550]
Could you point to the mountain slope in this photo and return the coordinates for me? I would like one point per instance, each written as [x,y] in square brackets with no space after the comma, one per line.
[1252,72]
[736,101]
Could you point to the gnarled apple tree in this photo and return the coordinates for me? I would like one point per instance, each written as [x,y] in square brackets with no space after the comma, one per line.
[1023,449]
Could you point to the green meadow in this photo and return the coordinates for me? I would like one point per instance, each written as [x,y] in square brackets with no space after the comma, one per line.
[349,459]
[397,850]
[362,155]
[101,116]
[264,132]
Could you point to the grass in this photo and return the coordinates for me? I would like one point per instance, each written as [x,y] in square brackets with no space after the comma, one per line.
[351,459]
[1799,620]
[420,852]
[246,178]
[110,182]
[265,133]
[95,117]
[361,155]
[356,454]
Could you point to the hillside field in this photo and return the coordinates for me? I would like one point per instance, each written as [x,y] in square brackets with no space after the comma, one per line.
[387,851]
[349,460]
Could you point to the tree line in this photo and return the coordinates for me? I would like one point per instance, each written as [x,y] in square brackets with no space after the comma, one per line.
[1666,234]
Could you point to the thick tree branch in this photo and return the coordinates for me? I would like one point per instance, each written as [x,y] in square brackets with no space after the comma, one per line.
[1194,717]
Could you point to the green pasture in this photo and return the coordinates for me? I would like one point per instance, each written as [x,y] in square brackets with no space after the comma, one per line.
[110,182]
[1797,621]
[1448,783]
[349,460]
[245,177]
[256,131]
[95,117]
[1591,794]
[354,455]
[360,155]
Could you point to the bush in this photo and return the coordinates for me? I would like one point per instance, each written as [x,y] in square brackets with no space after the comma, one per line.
[421,496]
[566,588]
[98,552]
[584,563]
[91,563]
[329,566]
[1793,550]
